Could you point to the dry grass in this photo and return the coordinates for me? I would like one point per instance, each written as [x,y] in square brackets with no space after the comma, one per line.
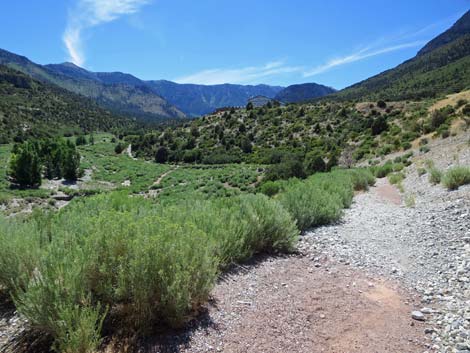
[451,100]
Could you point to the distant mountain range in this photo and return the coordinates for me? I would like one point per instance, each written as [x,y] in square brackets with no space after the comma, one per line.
[303,92]
[197,100]
[441,67]
[152,100]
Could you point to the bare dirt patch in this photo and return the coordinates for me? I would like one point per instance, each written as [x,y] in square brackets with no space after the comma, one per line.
[290,305]
[388,192]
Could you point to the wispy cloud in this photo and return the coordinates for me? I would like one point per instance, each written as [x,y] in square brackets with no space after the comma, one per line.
[90,13]
[358,56]
[253,74]
[239,75]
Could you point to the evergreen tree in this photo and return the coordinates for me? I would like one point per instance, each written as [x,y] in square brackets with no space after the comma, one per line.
[162,155]
[25,167]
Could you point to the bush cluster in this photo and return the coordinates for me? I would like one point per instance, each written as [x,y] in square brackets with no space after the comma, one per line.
[114,258]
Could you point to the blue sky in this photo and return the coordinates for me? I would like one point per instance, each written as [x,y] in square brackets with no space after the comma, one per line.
[279,42]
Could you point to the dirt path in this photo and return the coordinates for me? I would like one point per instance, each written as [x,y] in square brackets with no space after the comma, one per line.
[129,152]
[293,305]
[164,175]
[309,302]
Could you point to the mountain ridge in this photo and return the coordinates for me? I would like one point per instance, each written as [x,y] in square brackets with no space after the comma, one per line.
[153,99]
[439,68]
[459,28]
[135,101]
[29,107]
[303,92]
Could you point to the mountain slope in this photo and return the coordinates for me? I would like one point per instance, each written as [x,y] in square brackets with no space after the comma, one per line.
[459,29]
[197,100]
[438,69]
[122,97]
[31,108]
[303,92]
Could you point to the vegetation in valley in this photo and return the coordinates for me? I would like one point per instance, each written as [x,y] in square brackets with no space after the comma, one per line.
[143,262]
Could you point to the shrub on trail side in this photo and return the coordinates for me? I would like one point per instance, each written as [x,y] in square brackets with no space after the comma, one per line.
[130,258]
[114,258]
[320,199]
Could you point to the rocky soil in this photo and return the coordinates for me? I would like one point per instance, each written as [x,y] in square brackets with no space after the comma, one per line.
[426,247]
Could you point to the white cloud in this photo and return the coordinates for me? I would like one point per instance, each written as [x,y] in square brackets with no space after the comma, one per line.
[238,75]
[91,13]
[358,56]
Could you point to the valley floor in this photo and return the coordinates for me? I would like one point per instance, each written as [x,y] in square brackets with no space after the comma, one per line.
[352,286]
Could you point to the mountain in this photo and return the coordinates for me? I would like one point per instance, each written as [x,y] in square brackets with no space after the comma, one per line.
[32,108]
[118,92]
[197,100]
[303,92]
[459,29]
[260,101]
[441,67]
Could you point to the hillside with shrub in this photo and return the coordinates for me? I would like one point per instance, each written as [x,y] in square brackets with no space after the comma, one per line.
[441,67]
[442,71]
[318,136]
[29,108]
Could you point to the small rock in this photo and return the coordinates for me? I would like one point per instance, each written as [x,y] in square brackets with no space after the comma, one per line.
[418,316]
[426,310]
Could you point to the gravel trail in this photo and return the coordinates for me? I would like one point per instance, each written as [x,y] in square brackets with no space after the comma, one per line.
[425,247]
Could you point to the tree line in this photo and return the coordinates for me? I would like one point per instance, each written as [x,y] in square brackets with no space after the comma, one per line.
[48,158]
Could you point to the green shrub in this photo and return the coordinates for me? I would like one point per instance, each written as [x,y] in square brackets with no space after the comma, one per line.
[289,168]
[119,148]
[112,258]
[435,175]
[398,167]
[456,177]
[406,145]
[383,171]
[424,149]
[129,258]
[396,178]
[320,199]
[311,206]
[421,171]
[269,188]
[314,163]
